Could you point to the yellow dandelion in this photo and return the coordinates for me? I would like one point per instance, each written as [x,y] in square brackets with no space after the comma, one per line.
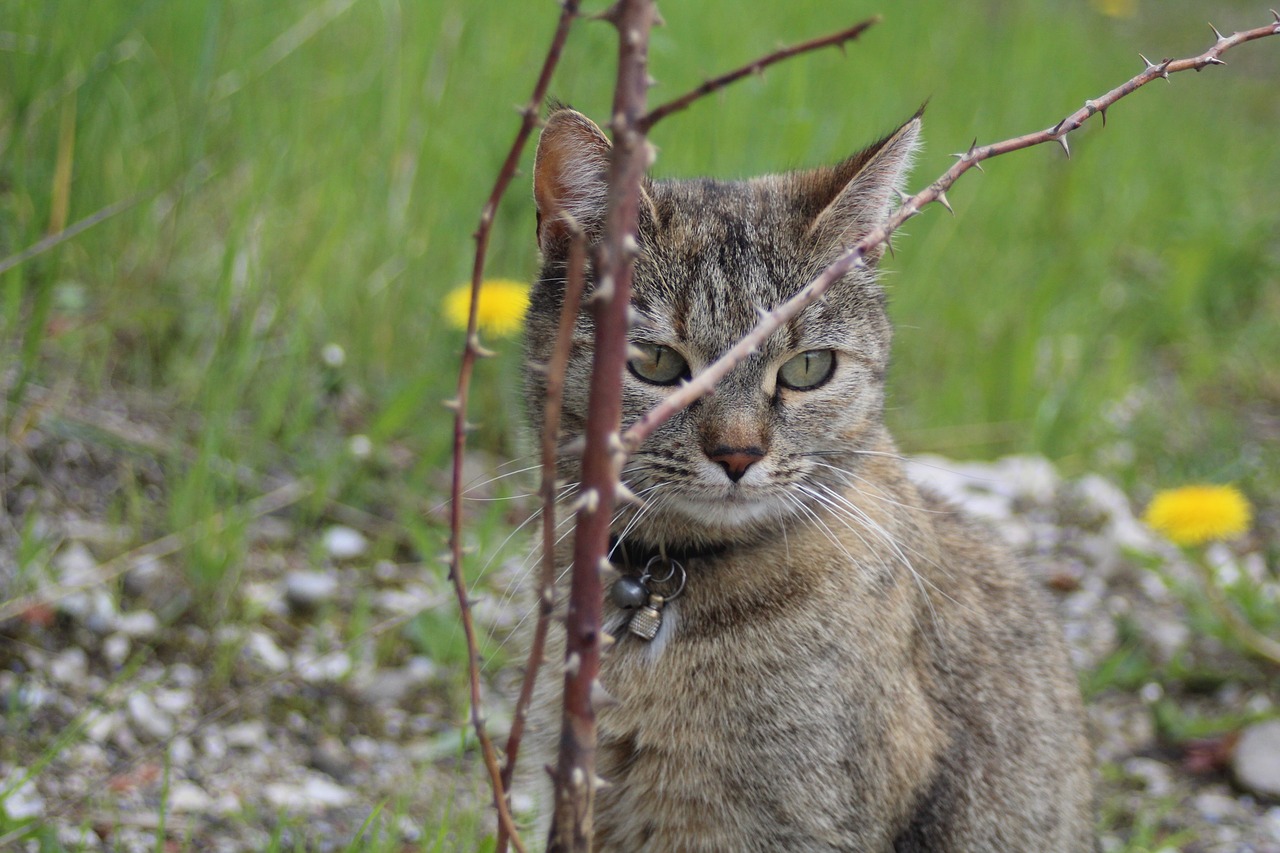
[501,310]
[1194,515]
[1117,8]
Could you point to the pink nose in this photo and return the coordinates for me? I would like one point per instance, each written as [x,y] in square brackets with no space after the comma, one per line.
[736,460]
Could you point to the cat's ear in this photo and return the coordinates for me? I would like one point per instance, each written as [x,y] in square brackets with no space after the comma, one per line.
[570,177]
[857,195]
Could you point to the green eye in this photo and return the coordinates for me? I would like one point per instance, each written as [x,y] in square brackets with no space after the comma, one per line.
[658,365]
[808,370]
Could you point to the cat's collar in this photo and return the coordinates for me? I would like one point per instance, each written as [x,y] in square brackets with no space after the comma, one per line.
[650,578]
[630,557]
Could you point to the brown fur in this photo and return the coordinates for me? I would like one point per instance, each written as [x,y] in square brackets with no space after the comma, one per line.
[852,666]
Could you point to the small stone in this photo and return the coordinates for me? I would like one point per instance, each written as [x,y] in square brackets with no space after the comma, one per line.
[307,591]
[315,794]
[1156,776]
[344,543]
[75,564]
[148,720]
[187,797]
[246,735]
[69,668]
[23,802]
[1215,807]
[115,648]
[1256,760]
[261,648]
[138,624]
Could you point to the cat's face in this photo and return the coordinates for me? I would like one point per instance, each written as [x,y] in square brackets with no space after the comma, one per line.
[783,431]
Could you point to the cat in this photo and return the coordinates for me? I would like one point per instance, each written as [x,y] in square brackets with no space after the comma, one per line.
[840,661]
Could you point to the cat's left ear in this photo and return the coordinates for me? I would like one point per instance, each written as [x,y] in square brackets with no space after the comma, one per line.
[857,195]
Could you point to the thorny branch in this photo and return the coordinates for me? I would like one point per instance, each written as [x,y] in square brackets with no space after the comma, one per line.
[705,382]
[839,40]
[553,398]
[631,156]
[472,351]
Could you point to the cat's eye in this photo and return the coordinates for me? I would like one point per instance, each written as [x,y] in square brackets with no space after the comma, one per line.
[658,365]
[807,370]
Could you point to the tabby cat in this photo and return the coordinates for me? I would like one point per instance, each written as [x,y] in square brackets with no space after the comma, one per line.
[813,654]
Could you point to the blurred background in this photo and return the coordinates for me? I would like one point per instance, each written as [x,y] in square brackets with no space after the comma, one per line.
[282,194]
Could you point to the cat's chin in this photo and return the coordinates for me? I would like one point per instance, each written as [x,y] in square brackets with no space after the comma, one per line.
[734,513]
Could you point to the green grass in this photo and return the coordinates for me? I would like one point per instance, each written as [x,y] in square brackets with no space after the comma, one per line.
[305,174]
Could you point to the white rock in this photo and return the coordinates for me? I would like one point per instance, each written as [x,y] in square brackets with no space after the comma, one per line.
[344,543]
[173,701]
[261,648]
[247,735]
[138,624]
[148,720]
[75,564]
[1256,760]
[23,802]
[188,797]
[181,752]
[325,668]
[309,590]
[69,668]
[115,648]
[314,794]
[100,725]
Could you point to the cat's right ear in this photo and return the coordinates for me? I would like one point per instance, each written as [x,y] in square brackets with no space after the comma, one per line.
[570,179]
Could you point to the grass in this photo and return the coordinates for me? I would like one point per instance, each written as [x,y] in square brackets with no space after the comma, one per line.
[299,175]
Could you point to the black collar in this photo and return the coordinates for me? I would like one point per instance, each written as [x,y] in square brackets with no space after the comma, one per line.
[631,556]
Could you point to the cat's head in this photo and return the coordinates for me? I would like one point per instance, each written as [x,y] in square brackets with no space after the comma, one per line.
[784,430]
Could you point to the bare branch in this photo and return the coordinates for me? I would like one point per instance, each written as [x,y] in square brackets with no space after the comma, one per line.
[715,84]
[472,351]
[553,396]
[575,778]
[706,380]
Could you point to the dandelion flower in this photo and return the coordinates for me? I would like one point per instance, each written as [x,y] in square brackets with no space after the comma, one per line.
[501,310]
[1194,515]
[1117,8]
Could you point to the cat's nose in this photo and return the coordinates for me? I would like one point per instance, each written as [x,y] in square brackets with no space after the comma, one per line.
[736,460]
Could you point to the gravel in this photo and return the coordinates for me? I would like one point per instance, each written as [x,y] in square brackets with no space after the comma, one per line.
[309,706]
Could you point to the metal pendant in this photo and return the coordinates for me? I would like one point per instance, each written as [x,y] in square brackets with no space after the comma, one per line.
[648,619]
[630,593]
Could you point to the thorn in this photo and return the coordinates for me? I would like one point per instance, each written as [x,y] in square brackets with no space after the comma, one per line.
[888,244]
[588,501]
[1276,15]
[605,567]
[1057,127]
[572,664]
[607,639]
[903,198]
[599,783]
[473,343]
[551,771]
[577,778]
[658,20]
[1103,111]
[942,200]
[574,446]
[1221,37]
[1062,140]
[625,495]
[634,352]
[601,698]
[453,404]
[1213,60]
[615,444]
[1147,62]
